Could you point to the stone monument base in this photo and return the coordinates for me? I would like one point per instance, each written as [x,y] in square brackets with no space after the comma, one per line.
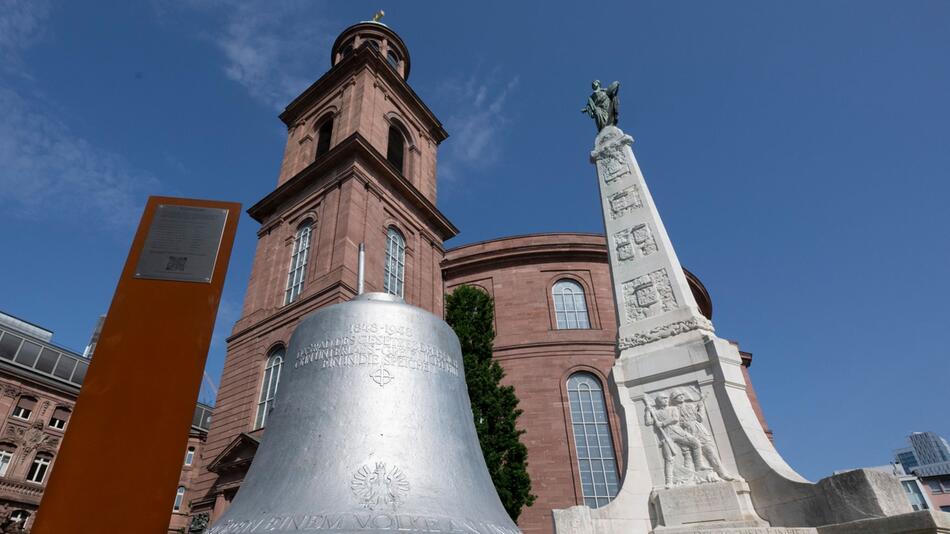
[714,505]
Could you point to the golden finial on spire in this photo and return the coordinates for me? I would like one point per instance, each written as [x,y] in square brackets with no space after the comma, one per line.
[379,14]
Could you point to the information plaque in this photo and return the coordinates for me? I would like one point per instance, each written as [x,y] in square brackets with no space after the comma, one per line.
[182,243]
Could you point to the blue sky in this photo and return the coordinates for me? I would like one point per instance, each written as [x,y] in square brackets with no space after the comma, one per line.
[798,153]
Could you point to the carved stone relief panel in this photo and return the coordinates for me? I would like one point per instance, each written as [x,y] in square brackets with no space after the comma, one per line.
[625,201]
[613,164]
[648,295]
[634,242]
[679,420]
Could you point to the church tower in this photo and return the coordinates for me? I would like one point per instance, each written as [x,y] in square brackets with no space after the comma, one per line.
[359,167]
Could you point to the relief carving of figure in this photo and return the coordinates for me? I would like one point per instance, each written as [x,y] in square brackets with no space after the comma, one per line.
[692,420]
[603,105]
[674,441]
[679,424]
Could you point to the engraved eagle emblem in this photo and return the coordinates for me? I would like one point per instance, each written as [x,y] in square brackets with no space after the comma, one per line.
[377,487]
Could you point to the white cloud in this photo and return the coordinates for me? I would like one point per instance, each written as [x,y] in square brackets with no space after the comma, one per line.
[273,49]
[45,171]
[479,116]
[21,25]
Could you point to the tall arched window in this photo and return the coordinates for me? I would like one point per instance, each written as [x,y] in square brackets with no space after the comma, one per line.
[179,497]
[570,308]
[324,133]
[394,275]
[298,262]
[39,468]
[6,456]
[592,439]
[396,149]
[190,456]
[269,386]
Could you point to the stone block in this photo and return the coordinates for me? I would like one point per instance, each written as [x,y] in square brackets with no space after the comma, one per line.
[713,505]
[862,493]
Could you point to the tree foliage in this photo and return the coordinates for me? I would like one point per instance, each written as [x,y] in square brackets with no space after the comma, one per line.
[471,313]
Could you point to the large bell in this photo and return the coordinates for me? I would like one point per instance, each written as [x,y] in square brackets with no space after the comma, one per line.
[372,431]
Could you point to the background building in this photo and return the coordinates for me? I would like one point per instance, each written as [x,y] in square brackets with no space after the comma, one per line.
[39,384]
[359,167]
[928,457]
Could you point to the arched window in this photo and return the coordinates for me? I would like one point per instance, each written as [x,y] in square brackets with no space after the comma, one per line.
[570,308]
[179,498]
[298,262]
[324,133]
[39,468]
[346,49]
[394,275]
[59,418]
[190,456]
[592,439]
[269,387]
[24,407]
[19,517]
[6,456]
[396,149]
[392,59]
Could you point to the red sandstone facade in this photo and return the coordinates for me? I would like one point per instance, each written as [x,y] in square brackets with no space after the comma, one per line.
[346,185]
[538,358]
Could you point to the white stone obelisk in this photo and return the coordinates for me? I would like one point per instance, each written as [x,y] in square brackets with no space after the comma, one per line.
[696,455]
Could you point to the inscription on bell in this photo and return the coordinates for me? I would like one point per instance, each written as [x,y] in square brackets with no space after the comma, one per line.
[349,522]
[381,347]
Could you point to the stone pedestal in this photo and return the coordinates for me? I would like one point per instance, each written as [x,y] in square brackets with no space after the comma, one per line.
[714,505]
[696,457]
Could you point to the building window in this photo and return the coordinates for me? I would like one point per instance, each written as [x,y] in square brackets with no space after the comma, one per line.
[346,49]
[19,517]
[570,308]
[24,408]
[592,439]
[6,456]
[179,497]
[298,262]
[914,495]
[374,44]
[395,274]
[269,386]
[935,486]
[59,418]
[396,149]
[39,468]
[324,133]
[392,59]
[190,456]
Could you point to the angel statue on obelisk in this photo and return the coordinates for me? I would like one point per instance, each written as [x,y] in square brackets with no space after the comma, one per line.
[603,105]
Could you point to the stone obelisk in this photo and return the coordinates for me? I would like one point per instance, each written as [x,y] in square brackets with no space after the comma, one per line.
[697,458]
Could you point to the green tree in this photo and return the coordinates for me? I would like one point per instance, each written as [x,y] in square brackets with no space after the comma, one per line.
[471,313]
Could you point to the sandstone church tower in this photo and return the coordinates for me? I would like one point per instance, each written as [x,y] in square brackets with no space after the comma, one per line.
[359,167]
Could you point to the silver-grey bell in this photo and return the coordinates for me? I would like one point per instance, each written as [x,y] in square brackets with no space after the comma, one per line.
[372,431]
